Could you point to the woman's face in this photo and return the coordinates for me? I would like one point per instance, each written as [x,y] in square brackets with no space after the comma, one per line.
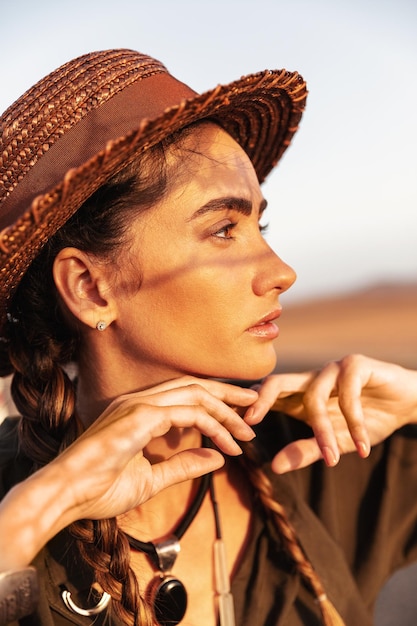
[208,284]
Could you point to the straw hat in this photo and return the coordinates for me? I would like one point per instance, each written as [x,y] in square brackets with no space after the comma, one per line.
[86,120]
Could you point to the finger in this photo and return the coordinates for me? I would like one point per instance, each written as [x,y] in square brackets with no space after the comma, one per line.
[185,465]
[115,497]
[342,380]
[196,395]
[274,392]
[129,428]
[233,395]
[193,417]
[316,403]
[229,393]
[296,455]
[351,381]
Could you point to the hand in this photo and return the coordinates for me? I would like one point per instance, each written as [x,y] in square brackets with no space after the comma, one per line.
[104,473]
[111,473]
[350,404]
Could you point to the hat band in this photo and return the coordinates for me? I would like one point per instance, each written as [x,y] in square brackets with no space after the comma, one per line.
[124,112]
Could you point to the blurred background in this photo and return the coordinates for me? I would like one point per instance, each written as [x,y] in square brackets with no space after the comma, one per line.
[343,201]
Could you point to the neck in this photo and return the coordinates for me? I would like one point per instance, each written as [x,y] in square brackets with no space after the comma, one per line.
[109,379]
[158,518]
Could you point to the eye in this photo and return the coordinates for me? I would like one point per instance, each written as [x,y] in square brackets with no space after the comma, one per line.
[263,228]
[225,232]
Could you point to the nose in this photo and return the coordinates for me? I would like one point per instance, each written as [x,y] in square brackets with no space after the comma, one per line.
[272,273]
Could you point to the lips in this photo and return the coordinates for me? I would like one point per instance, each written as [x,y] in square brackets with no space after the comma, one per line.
[265,327]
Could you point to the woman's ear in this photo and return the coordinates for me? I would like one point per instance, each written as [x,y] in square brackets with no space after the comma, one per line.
[83,286]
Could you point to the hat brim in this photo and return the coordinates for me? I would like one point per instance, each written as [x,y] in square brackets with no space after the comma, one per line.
[261,111]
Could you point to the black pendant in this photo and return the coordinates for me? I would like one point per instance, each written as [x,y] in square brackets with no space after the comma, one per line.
[167,594]
[169,600]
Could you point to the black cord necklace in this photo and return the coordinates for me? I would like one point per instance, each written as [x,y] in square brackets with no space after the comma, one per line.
[168,594]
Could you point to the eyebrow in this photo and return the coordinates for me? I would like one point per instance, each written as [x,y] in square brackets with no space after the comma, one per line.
[242,205]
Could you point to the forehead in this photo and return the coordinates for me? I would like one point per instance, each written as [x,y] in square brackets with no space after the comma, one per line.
[208,160]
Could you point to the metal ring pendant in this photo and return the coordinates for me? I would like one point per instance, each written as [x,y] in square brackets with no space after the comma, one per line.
[98,608]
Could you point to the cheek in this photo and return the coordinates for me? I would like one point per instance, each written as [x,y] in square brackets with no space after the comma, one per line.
[195,309]
[190,293]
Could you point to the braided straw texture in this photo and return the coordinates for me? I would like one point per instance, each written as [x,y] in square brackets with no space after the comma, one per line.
[261,111]
[51,107]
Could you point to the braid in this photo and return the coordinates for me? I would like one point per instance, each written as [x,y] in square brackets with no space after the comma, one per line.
[41,343]
[264,490]
[106,550]
[48,423]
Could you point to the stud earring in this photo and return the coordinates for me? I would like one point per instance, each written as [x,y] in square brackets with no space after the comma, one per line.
[101,325]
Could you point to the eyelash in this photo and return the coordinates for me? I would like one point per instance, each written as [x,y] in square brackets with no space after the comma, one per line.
[224,229]
[229,227]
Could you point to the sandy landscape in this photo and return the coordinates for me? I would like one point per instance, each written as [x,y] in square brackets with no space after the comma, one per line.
[380,321]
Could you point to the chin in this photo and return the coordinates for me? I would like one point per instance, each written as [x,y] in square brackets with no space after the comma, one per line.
[259,368]
[253,371]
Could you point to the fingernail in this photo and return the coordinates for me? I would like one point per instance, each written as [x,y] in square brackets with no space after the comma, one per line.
[330,458]
[362,448]
[247,431]
[238,450]
[249,414]
[282,467]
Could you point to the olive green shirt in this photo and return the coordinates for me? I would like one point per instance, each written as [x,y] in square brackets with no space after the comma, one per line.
[356,522]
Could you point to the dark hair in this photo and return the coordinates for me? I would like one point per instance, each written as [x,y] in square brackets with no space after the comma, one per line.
[42,343]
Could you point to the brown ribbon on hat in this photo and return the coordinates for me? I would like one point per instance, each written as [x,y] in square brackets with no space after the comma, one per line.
[115,117]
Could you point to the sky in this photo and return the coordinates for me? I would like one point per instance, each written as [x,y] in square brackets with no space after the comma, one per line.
[342,203]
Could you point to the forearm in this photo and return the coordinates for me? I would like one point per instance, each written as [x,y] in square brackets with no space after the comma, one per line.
[30,515]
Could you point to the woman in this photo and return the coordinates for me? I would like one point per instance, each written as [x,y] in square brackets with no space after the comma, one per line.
[135,278]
